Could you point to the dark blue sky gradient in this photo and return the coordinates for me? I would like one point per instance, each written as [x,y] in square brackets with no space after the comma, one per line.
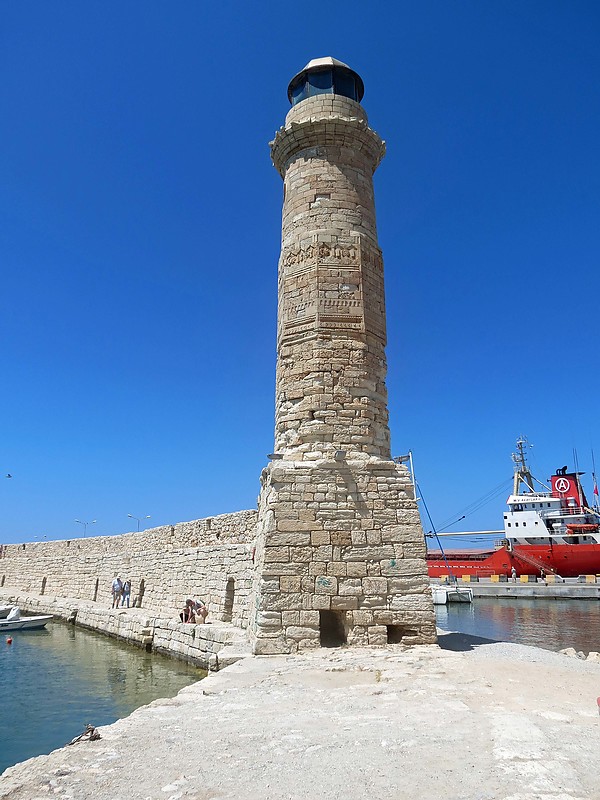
[139,237]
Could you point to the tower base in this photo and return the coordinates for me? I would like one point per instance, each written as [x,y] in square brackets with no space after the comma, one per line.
[339,558]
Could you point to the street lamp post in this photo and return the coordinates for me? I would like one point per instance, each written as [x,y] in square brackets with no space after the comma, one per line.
[139,519]
[85,524]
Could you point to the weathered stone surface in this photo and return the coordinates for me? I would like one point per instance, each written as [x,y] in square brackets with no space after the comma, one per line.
[338,510]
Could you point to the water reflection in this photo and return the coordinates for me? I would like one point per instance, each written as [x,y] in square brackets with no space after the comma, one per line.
[53,682]
[551,624]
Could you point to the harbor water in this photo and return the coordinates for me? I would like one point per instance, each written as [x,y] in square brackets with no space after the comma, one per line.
[55,681]
[550,624]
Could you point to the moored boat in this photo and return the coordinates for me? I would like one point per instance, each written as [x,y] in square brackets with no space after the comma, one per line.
[550,532]
[15,622]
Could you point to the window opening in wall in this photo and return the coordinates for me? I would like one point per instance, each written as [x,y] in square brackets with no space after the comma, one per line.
[332,626]
[229,597]
[396,633]
[3,579]
[43,589]
[96,587]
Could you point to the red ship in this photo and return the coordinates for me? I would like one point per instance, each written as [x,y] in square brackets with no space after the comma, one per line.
[551,532]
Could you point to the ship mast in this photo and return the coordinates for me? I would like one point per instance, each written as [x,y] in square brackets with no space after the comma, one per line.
[522,473]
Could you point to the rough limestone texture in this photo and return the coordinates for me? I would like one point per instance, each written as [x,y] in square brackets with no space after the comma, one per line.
[487,721]
[339,546]
[208,558]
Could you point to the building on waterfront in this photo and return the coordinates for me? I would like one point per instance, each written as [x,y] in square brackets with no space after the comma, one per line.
[340,552]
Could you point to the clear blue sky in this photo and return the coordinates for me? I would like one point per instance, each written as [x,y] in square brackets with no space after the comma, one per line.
[139,237]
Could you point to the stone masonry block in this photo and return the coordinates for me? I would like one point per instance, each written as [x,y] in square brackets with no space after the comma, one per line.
[279,554]
[320,537]
[341,538]
[290,583]
[284,602]
[326,584]
[309,619]
[269,619]
[271,646]
[321,602]
[373,586]
[356,569]
[295,526]
[374,601]
[350,587]
[290,618]
[368,553]
[344,603]
[362,617]
[297,633]
[403,567]
[297,539]
[301,555]
[377,635]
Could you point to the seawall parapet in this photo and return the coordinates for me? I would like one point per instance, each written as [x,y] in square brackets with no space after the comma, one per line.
[207,558]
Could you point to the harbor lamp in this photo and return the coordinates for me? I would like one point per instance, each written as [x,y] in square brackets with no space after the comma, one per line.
[139,519]
[85,524]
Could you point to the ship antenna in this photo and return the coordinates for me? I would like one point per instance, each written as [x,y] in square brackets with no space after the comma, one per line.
[522,473]
[596,506]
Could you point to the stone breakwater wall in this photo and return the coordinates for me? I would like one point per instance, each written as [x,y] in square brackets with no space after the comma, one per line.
[207,558]
[211,646]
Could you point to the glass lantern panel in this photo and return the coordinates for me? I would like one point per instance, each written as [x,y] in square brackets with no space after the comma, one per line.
[321,82]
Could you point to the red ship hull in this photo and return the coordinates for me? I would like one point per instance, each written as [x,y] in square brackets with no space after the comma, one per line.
[568,561]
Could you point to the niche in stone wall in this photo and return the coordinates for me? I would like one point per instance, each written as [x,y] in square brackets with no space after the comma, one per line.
[43,589]
[332,627]
[395,633]
[229,597]
[3,579]
[96,587]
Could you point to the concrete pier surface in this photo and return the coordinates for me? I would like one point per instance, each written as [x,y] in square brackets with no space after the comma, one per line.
[568,589]
[468,719]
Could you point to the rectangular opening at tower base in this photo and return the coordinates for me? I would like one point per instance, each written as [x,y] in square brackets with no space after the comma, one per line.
[332,627]
[396,633]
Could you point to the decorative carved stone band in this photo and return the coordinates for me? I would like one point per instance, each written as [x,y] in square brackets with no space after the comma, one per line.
[322,290]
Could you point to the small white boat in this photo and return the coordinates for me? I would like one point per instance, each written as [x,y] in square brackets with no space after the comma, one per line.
[15,622]
[451,594]
[5,611]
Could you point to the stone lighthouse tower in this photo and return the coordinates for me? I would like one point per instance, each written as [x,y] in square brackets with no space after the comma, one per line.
[340,553]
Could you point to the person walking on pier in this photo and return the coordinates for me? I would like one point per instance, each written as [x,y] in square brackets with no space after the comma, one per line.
[117,588]
[125,592]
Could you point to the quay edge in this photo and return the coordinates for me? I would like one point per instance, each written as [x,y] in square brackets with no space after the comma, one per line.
[211,646]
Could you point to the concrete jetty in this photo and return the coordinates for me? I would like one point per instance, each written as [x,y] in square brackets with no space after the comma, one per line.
[567,589]
[468,719]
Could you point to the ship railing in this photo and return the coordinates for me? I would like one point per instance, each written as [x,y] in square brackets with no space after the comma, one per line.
[567,511]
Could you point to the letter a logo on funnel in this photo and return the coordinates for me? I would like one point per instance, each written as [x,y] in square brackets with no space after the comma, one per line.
[562,485]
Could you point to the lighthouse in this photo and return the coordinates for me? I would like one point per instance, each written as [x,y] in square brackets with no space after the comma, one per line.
[340,552]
